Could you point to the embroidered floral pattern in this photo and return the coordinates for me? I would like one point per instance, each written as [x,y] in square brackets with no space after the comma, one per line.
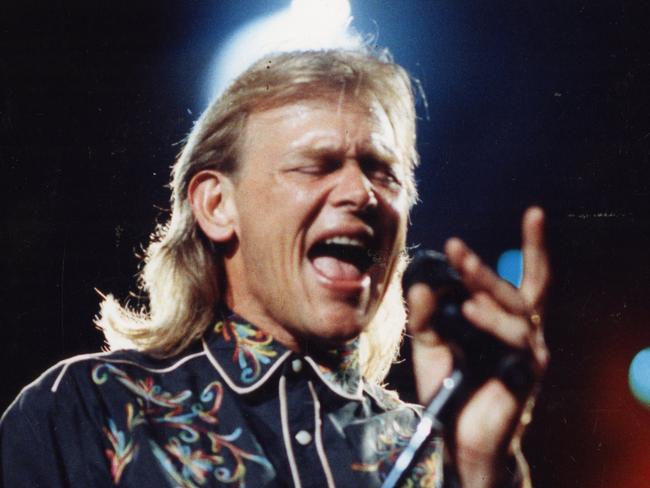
[344,371]
[389,443]
[426,472]
[122,451]
[253,348]
[191,422]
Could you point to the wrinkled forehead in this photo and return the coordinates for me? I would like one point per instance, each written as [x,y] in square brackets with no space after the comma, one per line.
[383,131]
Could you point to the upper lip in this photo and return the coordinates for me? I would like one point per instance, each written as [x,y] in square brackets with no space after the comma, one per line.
[363,233]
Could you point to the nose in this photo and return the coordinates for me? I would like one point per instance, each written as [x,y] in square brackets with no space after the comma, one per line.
[354,189]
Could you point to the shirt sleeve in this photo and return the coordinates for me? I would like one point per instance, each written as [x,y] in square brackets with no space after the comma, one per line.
[45,440]
[24,457]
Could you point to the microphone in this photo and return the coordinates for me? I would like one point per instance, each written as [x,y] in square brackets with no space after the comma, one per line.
[477,353]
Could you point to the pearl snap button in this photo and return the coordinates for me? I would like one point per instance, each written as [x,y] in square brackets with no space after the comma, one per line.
[296,365]
[303,437]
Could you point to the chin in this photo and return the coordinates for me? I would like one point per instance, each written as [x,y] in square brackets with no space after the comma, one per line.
[340,325]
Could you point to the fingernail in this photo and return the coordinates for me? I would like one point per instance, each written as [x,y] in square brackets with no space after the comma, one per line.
[469,308]
[536,212]
[471,263]
[453,242]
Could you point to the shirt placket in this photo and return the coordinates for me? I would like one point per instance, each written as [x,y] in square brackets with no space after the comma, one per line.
[300,414]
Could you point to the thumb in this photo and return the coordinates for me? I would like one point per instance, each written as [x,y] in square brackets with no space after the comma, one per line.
[422,303]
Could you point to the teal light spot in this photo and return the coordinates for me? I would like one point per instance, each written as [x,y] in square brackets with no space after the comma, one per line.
[511,266]
[639,376]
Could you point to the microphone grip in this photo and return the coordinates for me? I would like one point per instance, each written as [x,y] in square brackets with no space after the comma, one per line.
[479,354]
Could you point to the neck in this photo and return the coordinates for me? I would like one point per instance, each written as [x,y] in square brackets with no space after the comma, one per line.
[316,347]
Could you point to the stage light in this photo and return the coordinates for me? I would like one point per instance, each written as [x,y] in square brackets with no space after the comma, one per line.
[304,25]
[328,15]
[510,266]
[639,376]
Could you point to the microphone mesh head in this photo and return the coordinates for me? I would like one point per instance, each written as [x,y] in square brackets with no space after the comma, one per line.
[430,268]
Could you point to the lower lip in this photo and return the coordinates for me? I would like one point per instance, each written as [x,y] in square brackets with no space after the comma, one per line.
[342,286]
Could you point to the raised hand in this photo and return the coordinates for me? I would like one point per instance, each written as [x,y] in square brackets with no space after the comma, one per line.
[491,419]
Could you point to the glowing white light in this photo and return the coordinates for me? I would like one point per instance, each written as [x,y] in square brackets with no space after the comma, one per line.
[306,24]
[327,15]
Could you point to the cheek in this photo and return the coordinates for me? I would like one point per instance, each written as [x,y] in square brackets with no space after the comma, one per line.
[301,204]
[280,222]
[302,197]
[395,213]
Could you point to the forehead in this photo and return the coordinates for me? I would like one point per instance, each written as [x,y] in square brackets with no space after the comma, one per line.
[322,121]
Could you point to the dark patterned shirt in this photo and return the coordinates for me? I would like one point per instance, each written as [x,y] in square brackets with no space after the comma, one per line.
[236,409]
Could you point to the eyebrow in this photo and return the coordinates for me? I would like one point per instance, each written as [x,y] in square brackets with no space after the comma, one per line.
[326,149]
[320,151]
[381,152]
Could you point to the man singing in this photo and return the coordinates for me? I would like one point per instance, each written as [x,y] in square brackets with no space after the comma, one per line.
[275,310]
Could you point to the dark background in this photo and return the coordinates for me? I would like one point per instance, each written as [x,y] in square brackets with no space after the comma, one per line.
[541,102]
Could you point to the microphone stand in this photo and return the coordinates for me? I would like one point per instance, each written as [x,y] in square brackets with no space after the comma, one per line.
[451,387]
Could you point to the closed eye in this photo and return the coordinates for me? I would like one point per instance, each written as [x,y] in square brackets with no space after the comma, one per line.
[319,166]
[381,171]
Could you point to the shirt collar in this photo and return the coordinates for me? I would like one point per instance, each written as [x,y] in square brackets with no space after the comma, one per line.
[246,357]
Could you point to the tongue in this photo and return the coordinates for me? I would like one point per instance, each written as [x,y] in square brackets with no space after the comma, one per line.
[335,269]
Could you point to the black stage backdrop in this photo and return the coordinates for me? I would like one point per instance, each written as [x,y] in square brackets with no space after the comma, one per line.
[542,102]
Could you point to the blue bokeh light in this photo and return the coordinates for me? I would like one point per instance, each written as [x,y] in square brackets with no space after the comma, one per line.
[511,266]
[639,376]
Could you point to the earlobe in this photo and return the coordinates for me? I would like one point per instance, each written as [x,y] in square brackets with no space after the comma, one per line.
[210,196]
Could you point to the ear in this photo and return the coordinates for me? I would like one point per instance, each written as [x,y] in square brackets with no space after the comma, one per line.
[211,197]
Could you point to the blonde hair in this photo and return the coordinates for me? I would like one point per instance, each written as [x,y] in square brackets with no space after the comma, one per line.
[183,271]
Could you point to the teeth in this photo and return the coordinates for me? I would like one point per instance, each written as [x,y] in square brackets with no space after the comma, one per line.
[344,240]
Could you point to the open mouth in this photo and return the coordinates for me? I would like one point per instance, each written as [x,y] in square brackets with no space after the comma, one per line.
[342,258]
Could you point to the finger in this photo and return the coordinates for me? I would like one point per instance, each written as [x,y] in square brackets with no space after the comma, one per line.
[486,314]
[431,358]
[478,277]
[540,350]
[536,266]
[497,410]
[421,302]
[514,330]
